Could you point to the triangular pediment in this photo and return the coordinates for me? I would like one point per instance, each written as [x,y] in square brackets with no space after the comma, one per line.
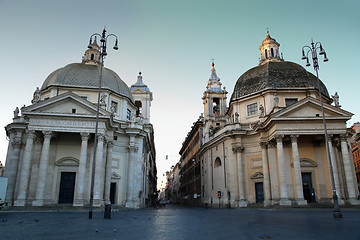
[139,90]
[257,175]
[309,108]
[114,175]
[67,103]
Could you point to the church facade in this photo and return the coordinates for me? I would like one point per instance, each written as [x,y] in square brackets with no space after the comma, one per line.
[268,145]
[51,142]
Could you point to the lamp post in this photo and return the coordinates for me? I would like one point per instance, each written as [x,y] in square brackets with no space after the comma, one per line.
[103,53]
[313,50]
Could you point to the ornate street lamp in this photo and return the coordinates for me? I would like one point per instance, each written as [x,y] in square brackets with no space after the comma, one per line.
[313,50]
[103,53]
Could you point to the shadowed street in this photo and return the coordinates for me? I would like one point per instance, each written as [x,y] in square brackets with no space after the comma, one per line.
[172,222]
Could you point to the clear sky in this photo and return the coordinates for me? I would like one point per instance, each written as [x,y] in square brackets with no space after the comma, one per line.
[172,43]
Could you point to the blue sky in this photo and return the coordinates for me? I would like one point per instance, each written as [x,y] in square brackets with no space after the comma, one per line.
[172,43]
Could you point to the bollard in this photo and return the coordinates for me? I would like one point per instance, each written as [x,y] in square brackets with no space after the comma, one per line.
[107,212]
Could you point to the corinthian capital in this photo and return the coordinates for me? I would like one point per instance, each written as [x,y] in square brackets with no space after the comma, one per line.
[294,137]
[343,137]
[263,144]
[16,142]
[133,147]
[84,136]
[279,138]
[47,134]
[100,137]
[238,149]
[31,134]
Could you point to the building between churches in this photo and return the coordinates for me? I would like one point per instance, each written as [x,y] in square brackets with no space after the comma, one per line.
[268,145]
[51,141]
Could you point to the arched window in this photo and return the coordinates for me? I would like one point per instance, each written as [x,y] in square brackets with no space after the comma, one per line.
[272,52]
[92,57]
[266,53]
[139,105]
[217,162]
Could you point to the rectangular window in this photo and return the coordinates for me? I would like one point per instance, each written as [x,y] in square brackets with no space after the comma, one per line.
[290,101]
[252,109]
[114,107]
[128,114]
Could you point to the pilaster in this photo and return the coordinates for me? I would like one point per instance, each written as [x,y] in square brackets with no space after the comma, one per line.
[239,149]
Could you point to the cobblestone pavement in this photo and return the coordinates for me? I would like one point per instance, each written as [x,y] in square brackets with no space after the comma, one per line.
[182,223]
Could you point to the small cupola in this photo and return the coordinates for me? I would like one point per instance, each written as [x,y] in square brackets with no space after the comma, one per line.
[269,50]
[92,55]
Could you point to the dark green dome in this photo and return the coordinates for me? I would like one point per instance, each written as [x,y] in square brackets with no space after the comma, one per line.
[275,75]
[80,75]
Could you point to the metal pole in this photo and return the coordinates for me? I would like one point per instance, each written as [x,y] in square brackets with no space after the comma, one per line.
[337,212]
[95,143]
[103,53]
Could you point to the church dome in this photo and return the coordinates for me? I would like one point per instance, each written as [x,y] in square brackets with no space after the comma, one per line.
[275,75]
[81,75]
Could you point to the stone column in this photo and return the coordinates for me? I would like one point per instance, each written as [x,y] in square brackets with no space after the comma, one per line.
[12,164]
[43,165]
[282,171]
[131,201]
[242,200]
[335,171]
[99,179]
[108,171]
[266,174]
[80,179]
[347,168]
[297,171]
[25,170]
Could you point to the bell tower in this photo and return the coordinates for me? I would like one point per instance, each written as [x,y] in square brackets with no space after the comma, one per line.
[214,98]
[142,97]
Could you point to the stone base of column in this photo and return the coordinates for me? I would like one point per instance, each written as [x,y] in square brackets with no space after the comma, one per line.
[267,203]
[78,203]
[285,202]
[38,203]
[354,201]
[301,202]
[98,202]
[242,203]
[19,203]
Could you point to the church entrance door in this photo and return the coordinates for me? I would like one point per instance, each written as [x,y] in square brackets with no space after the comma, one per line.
[309,192]
[259,191]
[112,192]
[67,186]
